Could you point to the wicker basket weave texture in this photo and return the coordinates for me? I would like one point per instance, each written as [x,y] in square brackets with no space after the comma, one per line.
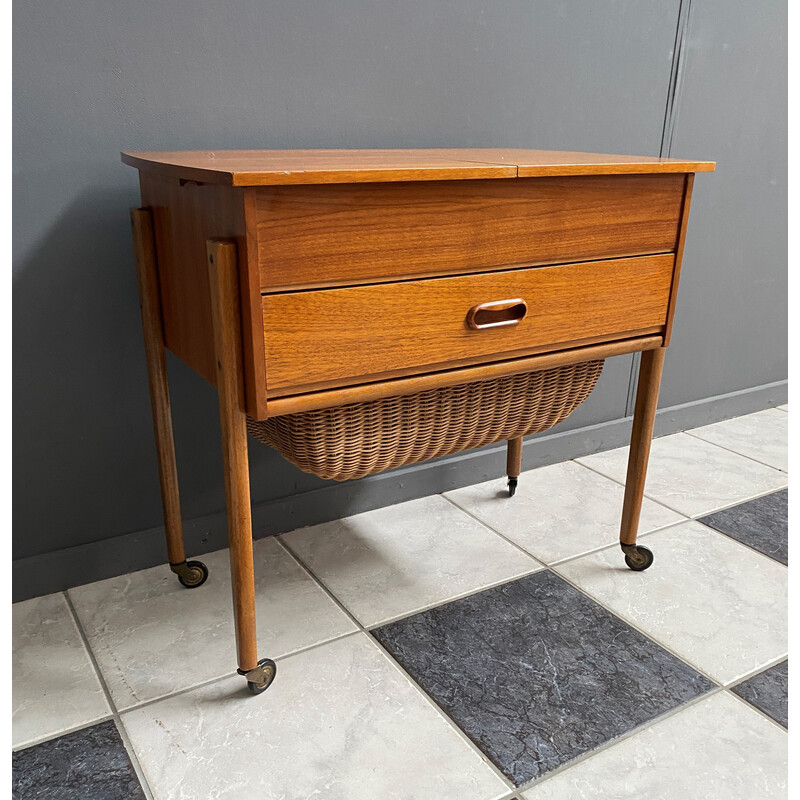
[351,441]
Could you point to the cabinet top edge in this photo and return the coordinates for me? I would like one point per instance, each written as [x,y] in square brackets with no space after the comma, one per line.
[281,167]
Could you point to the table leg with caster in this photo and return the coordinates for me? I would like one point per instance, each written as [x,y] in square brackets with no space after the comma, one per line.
[513,464]
[225,310]
[638,557]
[190,573]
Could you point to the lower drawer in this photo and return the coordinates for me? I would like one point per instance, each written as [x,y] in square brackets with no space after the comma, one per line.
[335,337]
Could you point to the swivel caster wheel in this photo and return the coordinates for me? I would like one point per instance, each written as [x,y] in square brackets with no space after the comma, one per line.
[512,486]
[637,557]
[191,573]
[260,678]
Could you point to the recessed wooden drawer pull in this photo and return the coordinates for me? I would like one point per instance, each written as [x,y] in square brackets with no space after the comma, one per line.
[497,314]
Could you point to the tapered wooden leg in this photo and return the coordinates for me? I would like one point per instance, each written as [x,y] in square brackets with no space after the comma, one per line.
[636,556]
[191,573]
[513,463]
[225,310]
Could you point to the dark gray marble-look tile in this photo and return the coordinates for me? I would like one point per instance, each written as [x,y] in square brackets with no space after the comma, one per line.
[761,524]
[536,673]
[90,764]
[769,692]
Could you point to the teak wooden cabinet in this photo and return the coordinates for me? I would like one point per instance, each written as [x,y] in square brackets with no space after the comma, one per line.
[323,291]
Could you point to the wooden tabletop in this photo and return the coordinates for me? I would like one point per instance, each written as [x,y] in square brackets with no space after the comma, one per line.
[274,167]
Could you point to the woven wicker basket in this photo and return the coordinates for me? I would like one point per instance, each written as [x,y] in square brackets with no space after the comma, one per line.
[359,439]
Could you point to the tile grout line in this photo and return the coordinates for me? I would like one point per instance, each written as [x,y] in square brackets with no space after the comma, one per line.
[736,681]
[495,531]
[469,593]
[645,496]
[368,627]
[115,715]
[752,549]
[601,548]
[652,638]
[716,686]
[566,559]
[756,672]
[655,721]
[51,737]
[736,452]
[552,567]
[443,714]
[318,581]
[618,616]
[757,709]
[644,726]
[544,567]
[397,666]
[683,513]
[228,675]
[536,782]
[698,520]
[548,564]
[741,502]
[635,627]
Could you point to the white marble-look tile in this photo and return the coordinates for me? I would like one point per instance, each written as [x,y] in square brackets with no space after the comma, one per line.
[559,511]
[54,684]
[762,436]
[340,722]
[784,407]
[716,603]
[692,476]
[716,749]
[397,560]
[151,636]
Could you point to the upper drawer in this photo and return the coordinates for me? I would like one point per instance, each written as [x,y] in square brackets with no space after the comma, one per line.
[334,337]
[327,235]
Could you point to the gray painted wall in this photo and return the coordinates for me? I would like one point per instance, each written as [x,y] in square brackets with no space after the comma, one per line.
[102,76]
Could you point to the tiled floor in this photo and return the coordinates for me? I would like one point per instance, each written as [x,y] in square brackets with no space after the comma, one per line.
[465,646]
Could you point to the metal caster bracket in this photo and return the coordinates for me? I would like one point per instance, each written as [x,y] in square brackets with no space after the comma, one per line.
[637,556]
[261,676]
[190,573]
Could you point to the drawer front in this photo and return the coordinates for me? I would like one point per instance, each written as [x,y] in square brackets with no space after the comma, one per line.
[311,236]
[337,337]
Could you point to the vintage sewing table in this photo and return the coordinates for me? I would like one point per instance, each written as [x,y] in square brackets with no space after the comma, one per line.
[358,310]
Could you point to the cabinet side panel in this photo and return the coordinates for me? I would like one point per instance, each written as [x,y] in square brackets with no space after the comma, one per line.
[673,296]
[185,216]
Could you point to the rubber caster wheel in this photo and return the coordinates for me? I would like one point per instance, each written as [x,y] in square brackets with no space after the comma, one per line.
[266,670]
[639,558]
[193,574]
[512,486]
